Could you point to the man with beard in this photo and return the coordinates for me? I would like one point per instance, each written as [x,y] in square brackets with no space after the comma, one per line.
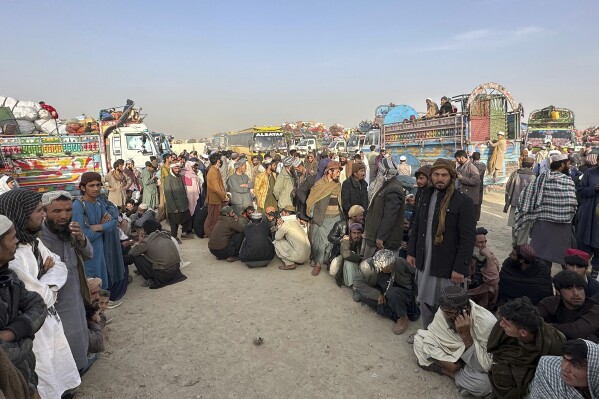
[455,343]
[354,190]
[264,185]
[468,180]
[442,238]
[150,188]
[571,312]
[98,219]
[549,204]
[516,183]
[43,272]
[65,238]
[350,258]
[117,183]
[325,209]
[290,241]
[216,196]
[177,203]
[283,188]
[311,164]
[422,182]
[22,314]
[133,175]
[384,224]
[587,228]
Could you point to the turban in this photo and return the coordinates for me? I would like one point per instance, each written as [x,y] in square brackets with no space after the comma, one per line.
[355,210]
[142,206]
[297,162]
[18,205]
[93,282]
[89,177]
[5,224]
[527,252]
[175,165]
[383,258]
[356,226]
[287,161]
[453,297]
[239,163]
[50,196]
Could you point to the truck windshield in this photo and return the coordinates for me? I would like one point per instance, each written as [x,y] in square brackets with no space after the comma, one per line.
[139,142]
[372,137]
[264,143]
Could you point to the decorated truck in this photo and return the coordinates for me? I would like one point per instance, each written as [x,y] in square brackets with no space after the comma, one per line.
[476,119]
[551,124]
[43,153]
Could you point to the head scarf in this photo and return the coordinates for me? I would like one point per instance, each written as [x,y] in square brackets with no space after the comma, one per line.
[355,226]
[287,161]
[528,252]
[5,224]
[382,259]
[17,205]
[441,163]
[4,184]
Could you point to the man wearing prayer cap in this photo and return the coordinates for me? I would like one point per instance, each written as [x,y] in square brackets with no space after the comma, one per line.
[496,161]
[43,272]
[442,237]
[549,205]
[385,283]
[22,314]
[354,190]
[455,343]
[241,187]
[63,236]
[385,211]
[143,213]
[177,203]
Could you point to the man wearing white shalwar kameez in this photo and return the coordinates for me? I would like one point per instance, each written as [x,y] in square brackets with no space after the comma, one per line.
[43,272]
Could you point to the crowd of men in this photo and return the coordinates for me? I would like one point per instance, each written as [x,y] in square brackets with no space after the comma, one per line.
[499,329]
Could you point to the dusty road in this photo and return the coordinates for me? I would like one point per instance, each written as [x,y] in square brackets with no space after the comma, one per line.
[195,339]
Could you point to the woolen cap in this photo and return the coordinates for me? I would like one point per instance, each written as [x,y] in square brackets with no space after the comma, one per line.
[226,210]
[453,297]
[423,170]
[448,165]
[333,165]
[356,166]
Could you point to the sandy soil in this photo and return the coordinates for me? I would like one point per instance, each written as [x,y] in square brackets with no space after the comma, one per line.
[195,339]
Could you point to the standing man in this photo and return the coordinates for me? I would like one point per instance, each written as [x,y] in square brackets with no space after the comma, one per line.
[442,238]
[482,169]
[377,161]
[587,228]
[65,238]
[372,157]
[215,193]
[240,186]
[283,188]
[384,221]
[516,183]
[549,205]
[117,183]
[496,162]
[324,206]
[150,188]
[264,185]
[468,180]
[404,169]
[354,191]
[165,169]
[177,203]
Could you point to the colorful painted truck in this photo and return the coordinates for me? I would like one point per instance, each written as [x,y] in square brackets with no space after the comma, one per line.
[488,110]
[551,124]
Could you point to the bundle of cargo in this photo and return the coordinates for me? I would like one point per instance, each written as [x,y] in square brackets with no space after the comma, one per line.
[29,117]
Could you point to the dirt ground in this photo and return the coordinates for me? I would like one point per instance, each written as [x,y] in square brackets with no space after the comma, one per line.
[195,339]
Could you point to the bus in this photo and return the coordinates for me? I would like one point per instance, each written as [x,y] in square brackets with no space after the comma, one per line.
[258,139]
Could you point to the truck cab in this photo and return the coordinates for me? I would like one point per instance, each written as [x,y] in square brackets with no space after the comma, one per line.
[337,146]
[306,145]
[130,142]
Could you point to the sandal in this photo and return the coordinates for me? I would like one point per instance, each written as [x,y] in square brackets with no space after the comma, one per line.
[434,367]
[316,270]
[287,267]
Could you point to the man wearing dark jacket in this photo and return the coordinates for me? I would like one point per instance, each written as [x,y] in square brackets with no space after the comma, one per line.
[468,179]
[177,203]
[571,312]
[442,238]
[354,191]
[257,249]
[384,224]
[22,312]
[225,240]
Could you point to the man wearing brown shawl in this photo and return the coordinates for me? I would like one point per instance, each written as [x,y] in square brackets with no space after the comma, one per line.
[442,238]
[517,342]
[325,209]
[483,287]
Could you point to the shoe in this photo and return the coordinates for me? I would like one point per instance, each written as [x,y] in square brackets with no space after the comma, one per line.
[401,325]
[410,339]
[356,296]
[186,236]
[146,283]
[129,279]
[232,259]
[114,304]
[178,240]
[108,321]
[316,270]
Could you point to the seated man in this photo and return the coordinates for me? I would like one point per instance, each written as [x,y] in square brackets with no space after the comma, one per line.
[455,343]
[257,249]
[291,241]
[246,215]
[578,261]
[156,257]
[347,263]
[570,311]
[572,375]
[385,282]
[339,230]
[483,287]
[225,240]
[142,214]
[522,275]
[517,342]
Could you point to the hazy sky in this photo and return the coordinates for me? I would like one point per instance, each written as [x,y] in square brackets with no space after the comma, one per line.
[197,67]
